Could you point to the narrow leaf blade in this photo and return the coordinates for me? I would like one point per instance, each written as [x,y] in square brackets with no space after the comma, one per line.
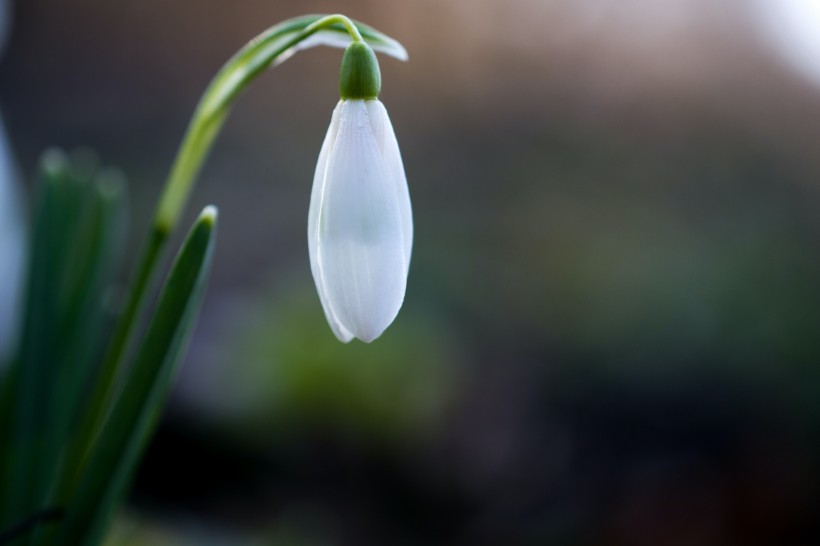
[112,460]
[29,380]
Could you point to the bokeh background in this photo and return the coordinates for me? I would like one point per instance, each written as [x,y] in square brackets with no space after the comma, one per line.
[612,326]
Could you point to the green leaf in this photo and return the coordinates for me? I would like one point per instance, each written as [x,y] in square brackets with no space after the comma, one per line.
[30,387]
[77,241]
[96,256]
[111,461]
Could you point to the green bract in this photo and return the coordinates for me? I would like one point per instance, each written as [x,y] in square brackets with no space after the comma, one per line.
[359,77]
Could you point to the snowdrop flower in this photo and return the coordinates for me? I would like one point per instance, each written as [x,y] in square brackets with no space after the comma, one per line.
[360,226]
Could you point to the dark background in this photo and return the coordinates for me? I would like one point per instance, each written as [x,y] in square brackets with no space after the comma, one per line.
[612,326]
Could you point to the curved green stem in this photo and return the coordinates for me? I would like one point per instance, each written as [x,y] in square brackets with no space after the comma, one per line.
[252,60]
[348,24]
[215,105]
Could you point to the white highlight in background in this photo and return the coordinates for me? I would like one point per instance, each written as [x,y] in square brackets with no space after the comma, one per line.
[792,29]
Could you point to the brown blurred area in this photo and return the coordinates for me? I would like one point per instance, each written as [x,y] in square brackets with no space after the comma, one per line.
[611,327]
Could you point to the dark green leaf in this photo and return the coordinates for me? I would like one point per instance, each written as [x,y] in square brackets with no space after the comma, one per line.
[77,239]
[110,463]
[30,389]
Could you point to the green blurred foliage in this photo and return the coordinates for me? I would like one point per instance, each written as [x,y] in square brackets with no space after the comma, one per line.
[287,370]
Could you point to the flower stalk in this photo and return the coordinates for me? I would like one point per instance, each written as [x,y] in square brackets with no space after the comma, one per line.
[66,462]
[215,105]
[268,49]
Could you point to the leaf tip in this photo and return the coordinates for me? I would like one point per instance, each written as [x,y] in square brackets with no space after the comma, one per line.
[209,215]
[401,53]
[111,184]
[53,161]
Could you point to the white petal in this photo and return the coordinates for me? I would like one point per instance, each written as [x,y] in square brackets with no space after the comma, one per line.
[358,229]
[313,216]
[389,147]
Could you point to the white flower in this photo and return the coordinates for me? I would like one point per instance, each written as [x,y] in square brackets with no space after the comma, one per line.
[360,226]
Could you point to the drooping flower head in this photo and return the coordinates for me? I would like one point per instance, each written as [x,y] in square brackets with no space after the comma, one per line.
[360,226]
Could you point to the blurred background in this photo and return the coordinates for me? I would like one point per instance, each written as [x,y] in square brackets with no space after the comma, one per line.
[612,326]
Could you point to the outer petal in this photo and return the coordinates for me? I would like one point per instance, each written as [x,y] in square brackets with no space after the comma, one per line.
[389,147]
[360,251]
[313,215]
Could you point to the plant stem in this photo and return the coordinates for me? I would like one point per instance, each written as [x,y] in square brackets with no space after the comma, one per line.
[215,105]
[208,119]
[105,386]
